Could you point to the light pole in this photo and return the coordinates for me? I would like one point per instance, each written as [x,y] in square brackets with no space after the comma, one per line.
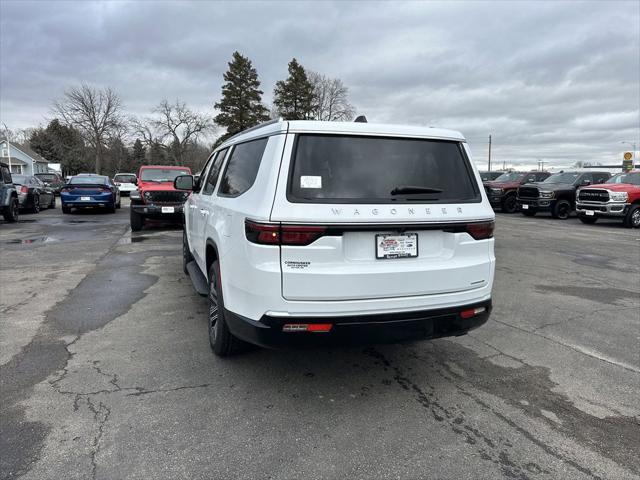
[633,152]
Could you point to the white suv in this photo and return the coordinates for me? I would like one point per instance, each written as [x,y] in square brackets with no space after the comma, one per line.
[309,232]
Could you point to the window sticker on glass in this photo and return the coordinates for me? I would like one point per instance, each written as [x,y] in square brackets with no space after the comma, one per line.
[310,181]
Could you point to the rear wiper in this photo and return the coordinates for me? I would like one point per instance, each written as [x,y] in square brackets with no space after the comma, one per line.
[409,190]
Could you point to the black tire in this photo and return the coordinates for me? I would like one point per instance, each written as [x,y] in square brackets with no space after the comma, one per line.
[529,213]
[119,204]
[186,253]
[35,208]
[137,221]
[632,218]
[588,220]
[222,342]
[53,202]
[509,204]
[66,209]
[12,212]
[561,210]
[111,208]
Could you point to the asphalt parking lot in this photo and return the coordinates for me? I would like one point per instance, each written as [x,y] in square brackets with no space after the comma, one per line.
[106,370]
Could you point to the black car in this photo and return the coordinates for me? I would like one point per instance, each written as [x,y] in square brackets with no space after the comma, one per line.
[556,194]
[33,194]
[9,203]
[488,176]
[53,180]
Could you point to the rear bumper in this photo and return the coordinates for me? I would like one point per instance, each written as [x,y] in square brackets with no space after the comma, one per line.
[359,329]
[74,201]
[601,209]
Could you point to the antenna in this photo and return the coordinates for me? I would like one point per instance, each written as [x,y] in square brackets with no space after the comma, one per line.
[360,119]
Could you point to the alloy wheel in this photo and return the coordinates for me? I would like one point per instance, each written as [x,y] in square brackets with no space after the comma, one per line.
[635,218]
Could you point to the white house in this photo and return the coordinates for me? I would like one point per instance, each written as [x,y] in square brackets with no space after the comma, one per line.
[21,159]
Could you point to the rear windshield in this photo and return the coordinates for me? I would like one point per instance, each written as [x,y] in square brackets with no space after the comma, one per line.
[19,179]
[125,178]
[631,177]
[356,169]
[46,177]
[161,174]
[84,180]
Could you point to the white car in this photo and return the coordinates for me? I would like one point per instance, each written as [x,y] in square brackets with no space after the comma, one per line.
[316,232]
[126,182]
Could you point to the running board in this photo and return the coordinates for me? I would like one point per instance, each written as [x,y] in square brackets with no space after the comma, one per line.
[199,281]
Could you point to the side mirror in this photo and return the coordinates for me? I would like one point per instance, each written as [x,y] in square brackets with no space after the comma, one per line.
[183,182]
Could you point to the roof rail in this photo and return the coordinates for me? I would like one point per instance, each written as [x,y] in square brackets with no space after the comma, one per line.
[255,127]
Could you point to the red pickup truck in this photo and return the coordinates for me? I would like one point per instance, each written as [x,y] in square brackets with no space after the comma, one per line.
[155,197]
[618,197]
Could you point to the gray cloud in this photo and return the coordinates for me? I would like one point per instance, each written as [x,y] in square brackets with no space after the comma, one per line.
[558,81]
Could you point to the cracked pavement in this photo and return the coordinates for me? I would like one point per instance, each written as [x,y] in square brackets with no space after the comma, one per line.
[106,372]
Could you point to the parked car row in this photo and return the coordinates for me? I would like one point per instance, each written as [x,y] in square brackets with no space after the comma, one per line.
[591,194]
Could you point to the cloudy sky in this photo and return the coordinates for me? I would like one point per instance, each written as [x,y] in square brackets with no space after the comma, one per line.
[552,81]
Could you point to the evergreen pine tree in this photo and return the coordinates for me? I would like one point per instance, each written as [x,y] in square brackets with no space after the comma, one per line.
[137,155]
[241,103]
[294,97]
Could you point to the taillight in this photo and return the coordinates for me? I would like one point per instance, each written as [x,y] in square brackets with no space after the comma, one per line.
[481,231]
[276,234]
[300,235]
[24,189]
[65,190]
[263,233]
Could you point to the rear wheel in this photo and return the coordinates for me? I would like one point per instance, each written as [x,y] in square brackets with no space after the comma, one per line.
[588,220]
[66,209]
[186,253]
[137,221]
[561,209]
[119,204]
[222,342]
[12,211]
[632,218]
[53,202]
[509,204]
[35,208]
[111,208]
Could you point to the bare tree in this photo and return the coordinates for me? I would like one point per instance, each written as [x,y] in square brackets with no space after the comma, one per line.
[94,112]
[173,127]
[331,103]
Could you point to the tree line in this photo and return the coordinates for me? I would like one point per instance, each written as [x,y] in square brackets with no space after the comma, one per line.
[91,132]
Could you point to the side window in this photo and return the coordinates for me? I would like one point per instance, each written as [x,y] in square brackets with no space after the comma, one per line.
[6,175]
[541,176]
[584,178]
[214,173]
[600,177]
[530,178]
[242,168]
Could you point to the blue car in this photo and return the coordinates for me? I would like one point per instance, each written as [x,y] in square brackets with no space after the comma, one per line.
[83,191]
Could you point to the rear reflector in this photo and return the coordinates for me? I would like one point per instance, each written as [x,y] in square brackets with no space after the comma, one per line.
[307,327]
[472,312]
[481,231]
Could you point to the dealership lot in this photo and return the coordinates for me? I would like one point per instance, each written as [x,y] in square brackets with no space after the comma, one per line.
[106,370]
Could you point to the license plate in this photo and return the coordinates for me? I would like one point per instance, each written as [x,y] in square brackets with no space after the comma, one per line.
[590,213]
[396,246]
[525,206]
[168,210]
[85,199]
